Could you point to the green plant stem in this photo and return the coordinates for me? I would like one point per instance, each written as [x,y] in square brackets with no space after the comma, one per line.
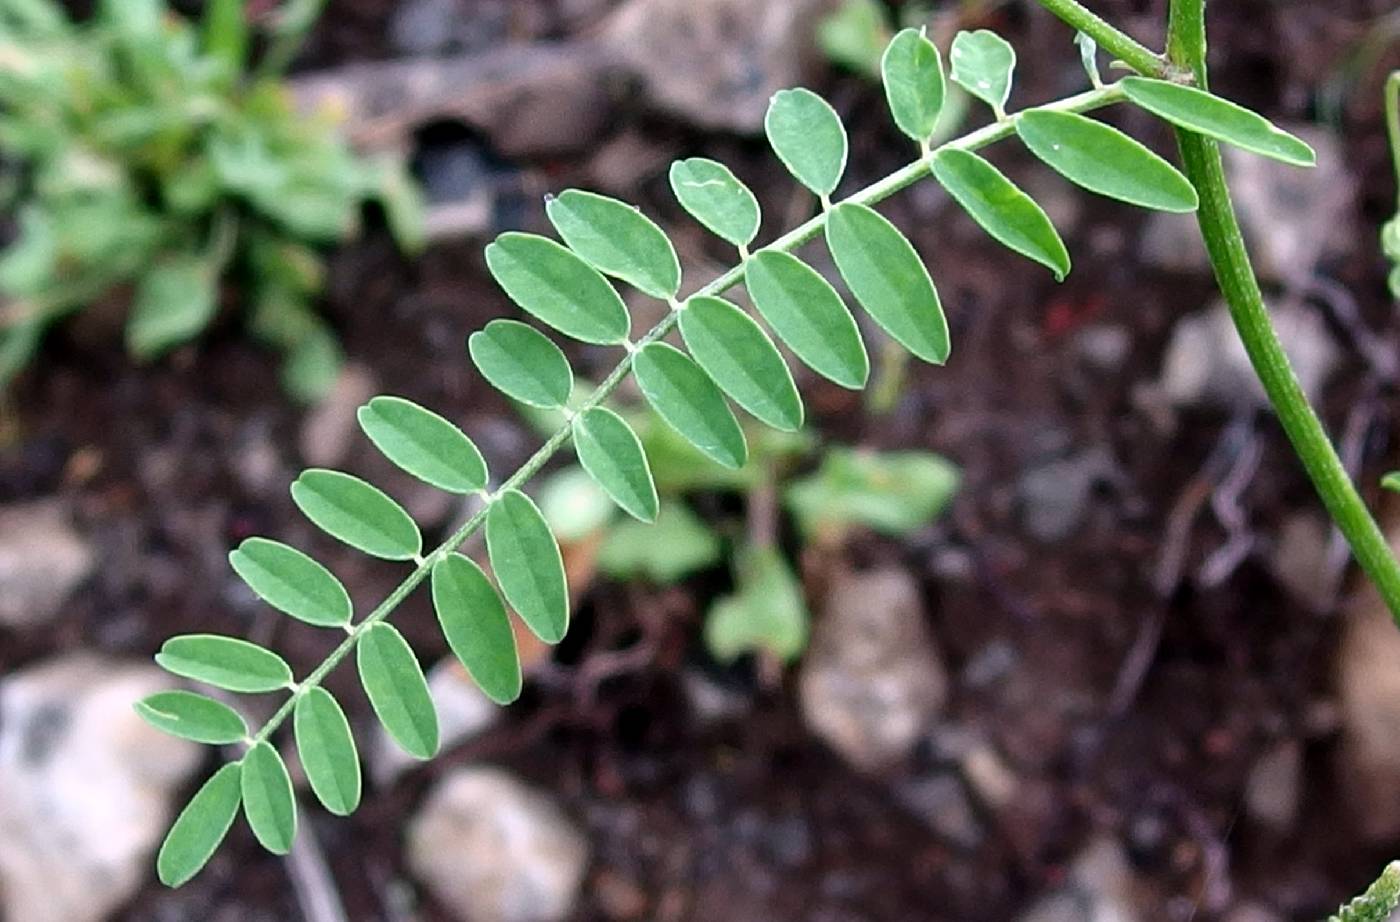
[870,195]
[1111,39]
[1392,126]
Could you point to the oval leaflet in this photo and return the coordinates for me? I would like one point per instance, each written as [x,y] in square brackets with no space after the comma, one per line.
[201,826]
[192,717]
[912,70]
[397,691]
[528,565]
[1205,113]
[292,582]
[423,444]
[477,627]
[267,799]
[357,513]
[807,314]
[715,197]
[618,240]
[327,750]
[733,350]
[225,662]
[609,451]
[522,363]
[558,287]
[808,137]
[685,397]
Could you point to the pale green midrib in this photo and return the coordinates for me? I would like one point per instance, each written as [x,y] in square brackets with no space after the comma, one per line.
[870,195]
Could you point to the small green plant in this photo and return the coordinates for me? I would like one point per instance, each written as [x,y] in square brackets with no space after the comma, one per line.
[150,162]
[1378,902]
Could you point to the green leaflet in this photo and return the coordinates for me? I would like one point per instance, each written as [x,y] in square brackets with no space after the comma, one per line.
[1103,159]
[192,717]
[292,582]
[528,564]
[609,451]
[888,279]
[1011,216]
[982,64]
[685,397]
[357,513]
[912,70]
[201,826]
[267,799]
[766,612]
[423,444]
[224,662]
[715,197]
[807,314]
[327,750]
[174,302]
[397,691]
[808,137]
[733,350]
[558,287]
[618,240]
[522,363]
[477,627]
[1205,113]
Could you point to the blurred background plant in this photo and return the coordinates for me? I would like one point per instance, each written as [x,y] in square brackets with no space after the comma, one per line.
[149,160]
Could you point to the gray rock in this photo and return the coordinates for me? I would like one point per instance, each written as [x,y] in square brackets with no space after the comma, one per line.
[1299,558]
[85,787]
[42,560]
[1055,495]
[463,712]
[941,802]
[873,680]
[491,849]
[331,426]
[1101,888]
[1273,789]
[425,27]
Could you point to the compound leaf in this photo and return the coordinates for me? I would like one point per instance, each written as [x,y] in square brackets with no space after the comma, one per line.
[807,314]
[397,691]
[982,64]
[225,662]
[174,302]
[327,750]
[423,444]
[612,455]
[1205,113]
[267,799]
[357,513]
[1103,159]
[476,626]
[912,70]
[192,717]
[292,582]
[688,400]
[528,564]
[808,137]
[733,350]
[201,826]
[715,197]
[1011,216]
[556,286]
[618,240]
[889,279]
[522,363]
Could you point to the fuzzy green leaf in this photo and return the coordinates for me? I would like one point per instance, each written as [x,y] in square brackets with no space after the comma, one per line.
[225,662]
[327,750]
[522,363]
[200,827]
[476,626]
[556,286]
[808,137]
[765,613]
[1011,216]
[889,279]
[609,451]
[715,197]
[688,400]
[357,513]
[1204,113]
[807,314]
[174,302]
[192,717]
[397,691]
[912,70]
[982,64]
[424,444]
[893,493]
[676,546]
[267,799]
[1103,159]
[292,582]
[528,564]
[733,350]
[618,240]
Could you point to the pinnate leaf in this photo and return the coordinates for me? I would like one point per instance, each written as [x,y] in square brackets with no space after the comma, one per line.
[201,826]
[556,286]
[225,662]
[357,513]
[1011,216]
[1205,113]
[423,444]
[733,350]
[292,582]
[912,70]
[476,626]
[808,137]
[397,691]
[528,565]
[267,799]
[610,452]
[807,314]
[1103,159]
[618,240]
[688,400]
[889,279]
[327,750]
[715,197]
[982,64]
[192,717]
[522,363]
